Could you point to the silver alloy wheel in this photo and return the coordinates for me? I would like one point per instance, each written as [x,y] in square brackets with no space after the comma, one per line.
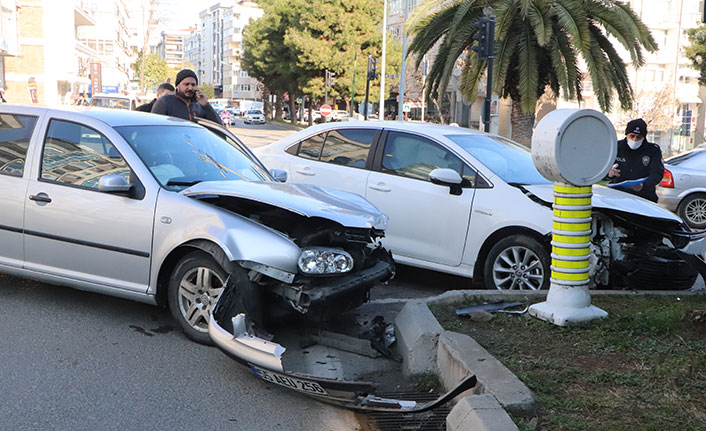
[518,268]
[199,290]
[695,211]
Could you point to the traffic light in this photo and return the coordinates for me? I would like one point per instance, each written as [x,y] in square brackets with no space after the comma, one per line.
[372,67]
[331,78]
[484,35]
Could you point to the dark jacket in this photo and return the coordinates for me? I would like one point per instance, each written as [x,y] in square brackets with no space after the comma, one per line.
[146,107]
[171,105]
[646,161]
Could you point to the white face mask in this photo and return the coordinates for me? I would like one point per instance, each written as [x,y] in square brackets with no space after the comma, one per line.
[634,145]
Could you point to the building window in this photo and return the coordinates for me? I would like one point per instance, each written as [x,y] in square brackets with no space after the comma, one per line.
[244,87]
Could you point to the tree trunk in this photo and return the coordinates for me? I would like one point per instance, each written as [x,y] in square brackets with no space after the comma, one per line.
[278,105]
[292,118]
[266,103]
[522,124]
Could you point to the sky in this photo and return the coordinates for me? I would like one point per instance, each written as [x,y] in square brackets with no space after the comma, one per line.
[181,14]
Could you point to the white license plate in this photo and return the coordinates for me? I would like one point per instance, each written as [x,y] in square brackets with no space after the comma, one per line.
[288,381]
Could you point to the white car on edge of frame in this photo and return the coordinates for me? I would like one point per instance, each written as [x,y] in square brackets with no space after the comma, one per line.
[473,204]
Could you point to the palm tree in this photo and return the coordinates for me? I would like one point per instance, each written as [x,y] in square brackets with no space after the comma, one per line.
[538,43]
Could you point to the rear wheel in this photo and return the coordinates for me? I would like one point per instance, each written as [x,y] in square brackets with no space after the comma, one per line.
[194,287]
[693,210]
[518,262]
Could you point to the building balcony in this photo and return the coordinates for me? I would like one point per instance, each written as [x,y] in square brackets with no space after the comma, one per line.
[82,16]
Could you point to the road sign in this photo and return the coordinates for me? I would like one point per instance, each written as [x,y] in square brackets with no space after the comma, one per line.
[406,107]
[325,110]
[299,100]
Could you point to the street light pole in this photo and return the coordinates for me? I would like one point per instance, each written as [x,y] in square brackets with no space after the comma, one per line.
[400,103]
[382,72]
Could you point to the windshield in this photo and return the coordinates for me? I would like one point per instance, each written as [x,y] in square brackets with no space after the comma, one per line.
[107,102]
[254,112]
[510,161]
[691,159]
[181,156]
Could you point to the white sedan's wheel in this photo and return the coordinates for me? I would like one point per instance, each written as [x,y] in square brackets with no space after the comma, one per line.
[194,288]
[517,262]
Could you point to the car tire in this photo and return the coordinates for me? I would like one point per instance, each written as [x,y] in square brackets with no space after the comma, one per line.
[194,287]
[517,262]
[693,210]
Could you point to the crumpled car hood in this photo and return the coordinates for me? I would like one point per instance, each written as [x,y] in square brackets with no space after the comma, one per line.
[348,209]
[608,198]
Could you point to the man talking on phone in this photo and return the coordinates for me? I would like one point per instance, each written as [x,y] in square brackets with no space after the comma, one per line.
[187,102]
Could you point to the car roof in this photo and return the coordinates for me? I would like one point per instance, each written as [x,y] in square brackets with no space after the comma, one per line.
[112,117]
[411,126]
[112,96]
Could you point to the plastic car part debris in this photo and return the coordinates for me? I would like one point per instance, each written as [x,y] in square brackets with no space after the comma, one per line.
[497,307]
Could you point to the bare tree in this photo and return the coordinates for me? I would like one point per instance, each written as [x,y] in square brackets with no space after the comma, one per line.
[149,23]
[656,107]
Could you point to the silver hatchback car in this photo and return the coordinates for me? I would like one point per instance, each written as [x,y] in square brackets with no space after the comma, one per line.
[683,187]
[166,211]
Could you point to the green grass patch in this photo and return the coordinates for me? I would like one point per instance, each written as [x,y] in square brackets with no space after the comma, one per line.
[642,368]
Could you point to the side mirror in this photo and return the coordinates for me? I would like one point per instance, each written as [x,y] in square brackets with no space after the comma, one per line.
[114,184]
[447,177]
[279,175]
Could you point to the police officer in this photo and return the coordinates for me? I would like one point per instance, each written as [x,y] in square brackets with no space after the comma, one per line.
[637,158]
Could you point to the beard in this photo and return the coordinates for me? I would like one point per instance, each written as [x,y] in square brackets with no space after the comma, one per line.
[186,94]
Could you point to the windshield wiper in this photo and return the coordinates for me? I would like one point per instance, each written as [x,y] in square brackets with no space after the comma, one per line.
[182,183]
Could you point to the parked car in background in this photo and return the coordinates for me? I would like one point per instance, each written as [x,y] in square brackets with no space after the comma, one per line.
[340,115]
[165,211]
[113,100]
[473,204]
[683,187]
[254,116]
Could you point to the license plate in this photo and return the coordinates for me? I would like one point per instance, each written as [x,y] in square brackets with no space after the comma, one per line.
[288,381]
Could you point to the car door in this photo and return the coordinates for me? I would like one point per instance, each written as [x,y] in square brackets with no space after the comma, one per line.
[427,222]
[337,159]
[16,132]
[72,230]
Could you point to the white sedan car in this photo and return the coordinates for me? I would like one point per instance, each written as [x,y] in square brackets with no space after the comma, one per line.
[254,116]
[473,204]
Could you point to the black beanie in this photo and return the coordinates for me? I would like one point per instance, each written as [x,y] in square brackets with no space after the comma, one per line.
[637,126]
[185,74]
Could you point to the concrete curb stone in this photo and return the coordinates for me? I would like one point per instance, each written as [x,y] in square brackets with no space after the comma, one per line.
[479,412]
[417,332]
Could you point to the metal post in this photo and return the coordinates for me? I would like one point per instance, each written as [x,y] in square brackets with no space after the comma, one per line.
[489,89]
[367,93]
[424,82]
[382,72]
[326,88]
[400,103]
[355,65]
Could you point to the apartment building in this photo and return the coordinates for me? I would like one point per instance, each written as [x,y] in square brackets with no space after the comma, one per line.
[50,65]
[171,47]
[8,34]
[236,82]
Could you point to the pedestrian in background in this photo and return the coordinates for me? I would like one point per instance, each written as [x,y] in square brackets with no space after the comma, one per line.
[187,102]
[164,88]
[636,159]
[2,95]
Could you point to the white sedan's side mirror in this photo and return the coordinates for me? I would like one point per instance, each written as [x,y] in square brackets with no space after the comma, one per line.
[279,175]
[447,177]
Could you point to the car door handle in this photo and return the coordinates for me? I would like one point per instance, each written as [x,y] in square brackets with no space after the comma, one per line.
[40,197]
[381,187]
[306,171]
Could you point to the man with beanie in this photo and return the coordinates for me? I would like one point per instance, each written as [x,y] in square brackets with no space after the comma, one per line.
[187,102]
[638,159]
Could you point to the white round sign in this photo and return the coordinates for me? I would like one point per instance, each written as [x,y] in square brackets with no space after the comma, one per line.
[574,146]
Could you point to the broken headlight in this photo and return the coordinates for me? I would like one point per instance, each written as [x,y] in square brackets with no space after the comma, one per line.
[321,260]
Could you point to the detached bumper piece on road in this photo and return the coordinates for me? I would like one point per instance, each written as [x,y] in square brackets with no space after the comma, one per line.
[263,357]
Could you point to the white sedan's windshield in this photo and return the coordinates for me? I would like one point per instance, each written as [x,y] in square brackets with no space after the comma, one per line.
[254,112]
[510,161]
[181,156]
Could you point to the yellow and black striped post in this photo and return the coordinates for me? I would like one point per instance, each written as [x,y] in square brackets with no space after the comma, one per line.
[571,234]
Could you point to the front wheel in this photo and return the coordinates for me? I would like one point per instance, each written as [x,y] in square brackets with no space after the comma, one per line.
[518,262]
[693,211]
[194,287]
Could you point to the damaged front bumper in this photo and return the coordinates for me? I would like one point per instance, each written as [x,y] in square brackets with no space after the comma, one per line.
[264,358]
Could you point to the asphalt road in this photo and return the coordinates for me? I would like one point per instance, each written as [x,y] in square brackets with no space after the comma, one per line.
[82,361]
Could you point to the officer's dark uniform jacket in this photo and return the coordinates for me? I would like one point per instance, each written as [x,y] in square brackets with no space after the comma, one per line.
[646,161]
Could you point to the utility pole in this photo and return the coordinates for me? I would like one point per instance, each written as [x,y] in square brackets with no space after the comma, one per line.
[400,103]
[424,83]
[326,88]
[485,34]
[382,71]
[355,65]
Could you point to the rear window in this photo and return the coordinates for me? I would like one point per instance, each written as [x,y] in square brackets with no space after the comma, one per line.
[695,158]
[15,133]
